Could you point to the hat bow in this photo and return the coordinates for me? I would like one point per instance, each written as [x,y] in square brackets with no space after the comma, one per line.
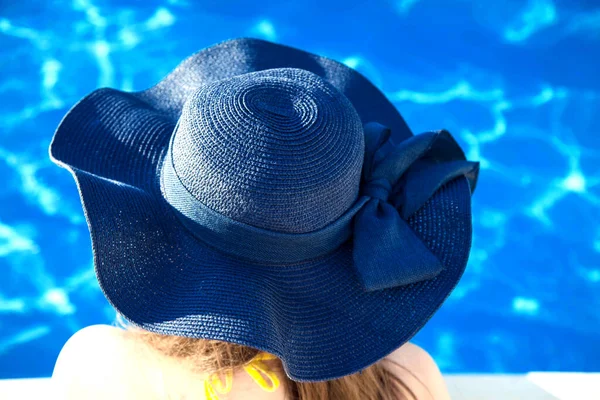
[398,180]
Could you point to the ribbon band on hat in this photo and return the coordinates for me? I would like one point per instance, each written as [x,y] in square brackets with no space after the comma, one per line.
[396,181]
[245,241]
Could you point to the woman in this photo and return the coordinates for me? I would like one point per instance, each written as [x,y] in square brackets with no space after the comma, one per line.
[266,226]
[105,362]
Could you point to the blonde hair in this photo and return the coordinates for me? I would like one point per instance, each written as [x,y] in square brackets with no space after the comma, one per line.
[205,356]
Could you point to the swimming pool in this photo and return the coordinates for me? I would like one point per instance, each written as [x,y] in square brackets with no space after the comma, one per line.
[515,81]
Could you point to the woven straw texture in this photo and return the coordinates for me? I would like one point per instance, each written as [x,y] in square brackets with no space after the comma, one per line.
[277,149]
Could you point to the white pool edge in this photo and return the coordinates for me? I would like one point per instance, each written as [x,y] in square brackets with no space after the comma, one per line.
[531,386]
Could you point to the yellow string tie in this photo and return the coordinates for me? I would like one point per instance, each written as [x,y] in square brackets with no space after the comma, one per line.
[214,386]
[256,367]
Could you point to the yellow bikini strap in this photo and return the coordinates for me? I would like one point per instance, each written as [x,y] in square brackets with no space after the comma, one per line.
[214,386]
[255,367]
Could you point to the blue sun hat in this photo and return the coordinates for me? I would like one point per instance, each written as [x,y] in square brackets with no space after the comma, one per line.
[270,197]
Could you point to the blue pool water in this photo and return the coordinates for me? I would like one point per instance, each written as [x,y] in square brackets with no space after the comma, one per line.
[516,81]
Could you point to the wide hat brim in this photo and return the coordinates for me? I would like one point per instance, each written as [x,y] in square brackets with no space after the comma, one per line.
[314,315]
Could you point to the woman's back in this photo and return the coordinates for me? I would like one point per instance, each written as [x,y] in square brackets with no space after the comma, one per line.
[103,362]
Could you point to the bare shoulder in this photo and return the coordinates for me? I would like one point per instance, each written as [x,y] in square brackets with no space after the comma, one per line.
[83,345]
[95,333]
[93,342]
[96,362]
[418,370]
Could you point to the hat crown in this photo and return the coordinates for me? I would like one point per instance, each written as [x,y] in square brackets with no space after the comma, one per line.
[279,149]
